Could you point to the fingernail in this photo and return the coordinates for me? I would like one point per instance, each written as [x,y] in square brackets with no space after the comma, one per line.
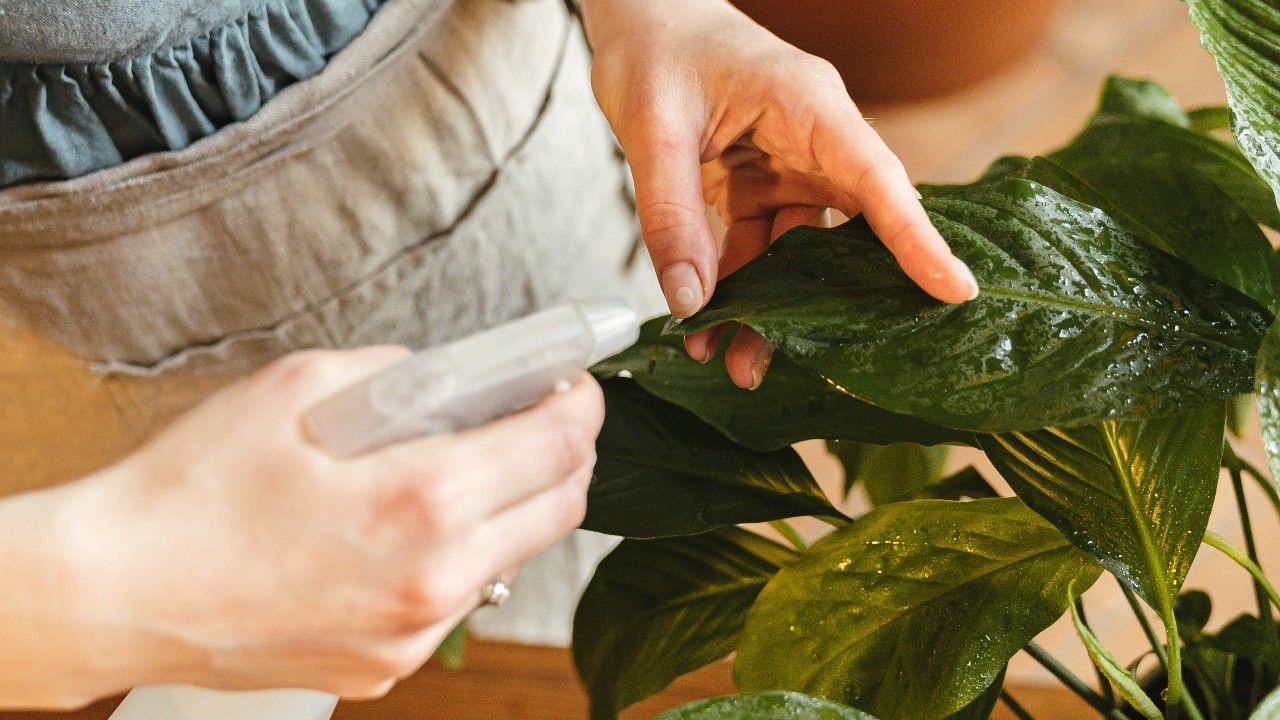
[760,366]
[918,195]
[683,289]
[968,283]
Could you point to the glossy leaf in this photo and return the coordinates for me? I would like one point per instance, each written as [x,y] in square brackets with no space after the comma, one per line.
[970,581]
[1268,392]
[889,473]
[657,609]
[791,405]
[662,472]
[982,706]
[1185,192]
[1077,321]
[1124,683]
[765,706]
[1135,494]
[1241,37]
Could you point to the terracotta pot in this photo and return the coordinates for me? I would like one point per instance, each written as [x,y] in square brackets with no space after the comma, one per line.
[903,49]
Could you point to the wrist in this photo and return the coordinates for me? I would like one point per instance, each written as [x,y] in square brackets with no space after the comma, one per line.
[70,630]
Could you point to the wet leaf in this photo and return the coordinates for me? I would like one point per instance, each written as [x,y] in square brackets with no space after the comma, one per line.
[970,581]
[791,405]
[1124,683]
[1240,35]
[662,472]
[1268,392]
[765,706]
[1185,192]
[1077,321]
[984,704]
[1135,494]
[889,473]
[657,609]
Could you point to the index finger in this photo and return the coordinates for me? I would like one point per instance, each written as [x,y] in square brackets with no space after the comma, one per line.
[486,469]
[852,155]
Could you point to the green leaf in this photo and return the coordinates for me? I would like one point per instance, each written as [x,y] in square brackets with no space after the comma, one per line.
[1127,98]
[1238,408]
[966,483]
[1192,609]
[791,405]
[890,473]
[1246,637]
[1268,392]
[1124,683]
[1070,302]
[452,649]
[1210,118]
[657,609]
[1241,37]
[970,581]
[984,704]
[1269,709]
[662,472]
[1135,494]
[1185,192]
[765,706]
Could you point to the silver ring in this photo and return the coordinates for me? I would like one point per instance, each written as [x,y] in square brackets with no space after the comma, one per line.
[495,593]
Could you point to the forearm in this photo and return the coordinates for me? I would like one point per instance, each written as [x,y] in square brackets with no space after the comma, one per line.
[65,632]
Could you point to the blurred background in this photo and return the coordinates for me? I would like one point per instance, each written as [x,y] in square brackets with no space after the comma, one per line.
[951,85]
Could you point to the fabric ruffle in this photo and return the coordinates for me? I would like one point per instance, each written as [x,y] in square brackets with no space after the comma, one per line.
[60,121]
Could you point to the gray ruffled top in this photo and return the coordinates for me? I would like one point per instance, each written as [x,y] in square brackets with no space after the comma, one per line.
[89,84]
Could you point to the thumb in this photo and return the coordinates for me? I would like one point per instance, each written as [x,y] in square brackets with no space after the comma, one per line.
[673,215]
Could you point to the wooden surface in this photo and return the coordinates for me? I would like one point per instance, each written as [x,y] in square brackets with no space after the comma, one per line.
[517,682]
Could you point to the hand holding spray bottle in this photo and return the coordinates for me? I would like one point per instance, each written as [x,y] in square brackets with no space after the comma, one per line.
[445,389]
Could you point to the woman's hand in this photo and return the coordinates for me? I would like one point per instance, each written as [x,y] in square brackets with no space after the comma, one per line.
[232,553]
[713,109]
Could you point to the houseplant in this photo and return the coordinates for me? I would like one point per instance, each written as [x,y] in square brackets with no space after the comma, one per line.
[1129,295]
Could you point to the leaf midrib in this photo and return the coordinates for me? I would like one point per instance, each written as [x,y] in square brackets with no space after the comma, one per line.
[1147,546]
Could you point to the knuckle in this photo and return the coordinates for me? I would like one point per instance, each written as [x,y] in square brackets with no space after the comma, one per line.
[425,600]
[430,502]
[665,223]
[571,444]
[306,369]
[574,507]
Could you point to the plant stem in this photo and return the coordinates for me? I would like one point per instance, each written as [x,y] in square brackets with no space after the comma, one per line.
[1251,547]
[1220,544]
[784,528]
[1272,493]
[1150,631]
[1073,683]
[1015,707]
[1176,693]
[1103,683]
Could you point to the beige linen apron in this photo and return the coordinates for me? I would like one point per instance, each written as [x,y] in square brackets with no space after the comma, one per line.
[427,184]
